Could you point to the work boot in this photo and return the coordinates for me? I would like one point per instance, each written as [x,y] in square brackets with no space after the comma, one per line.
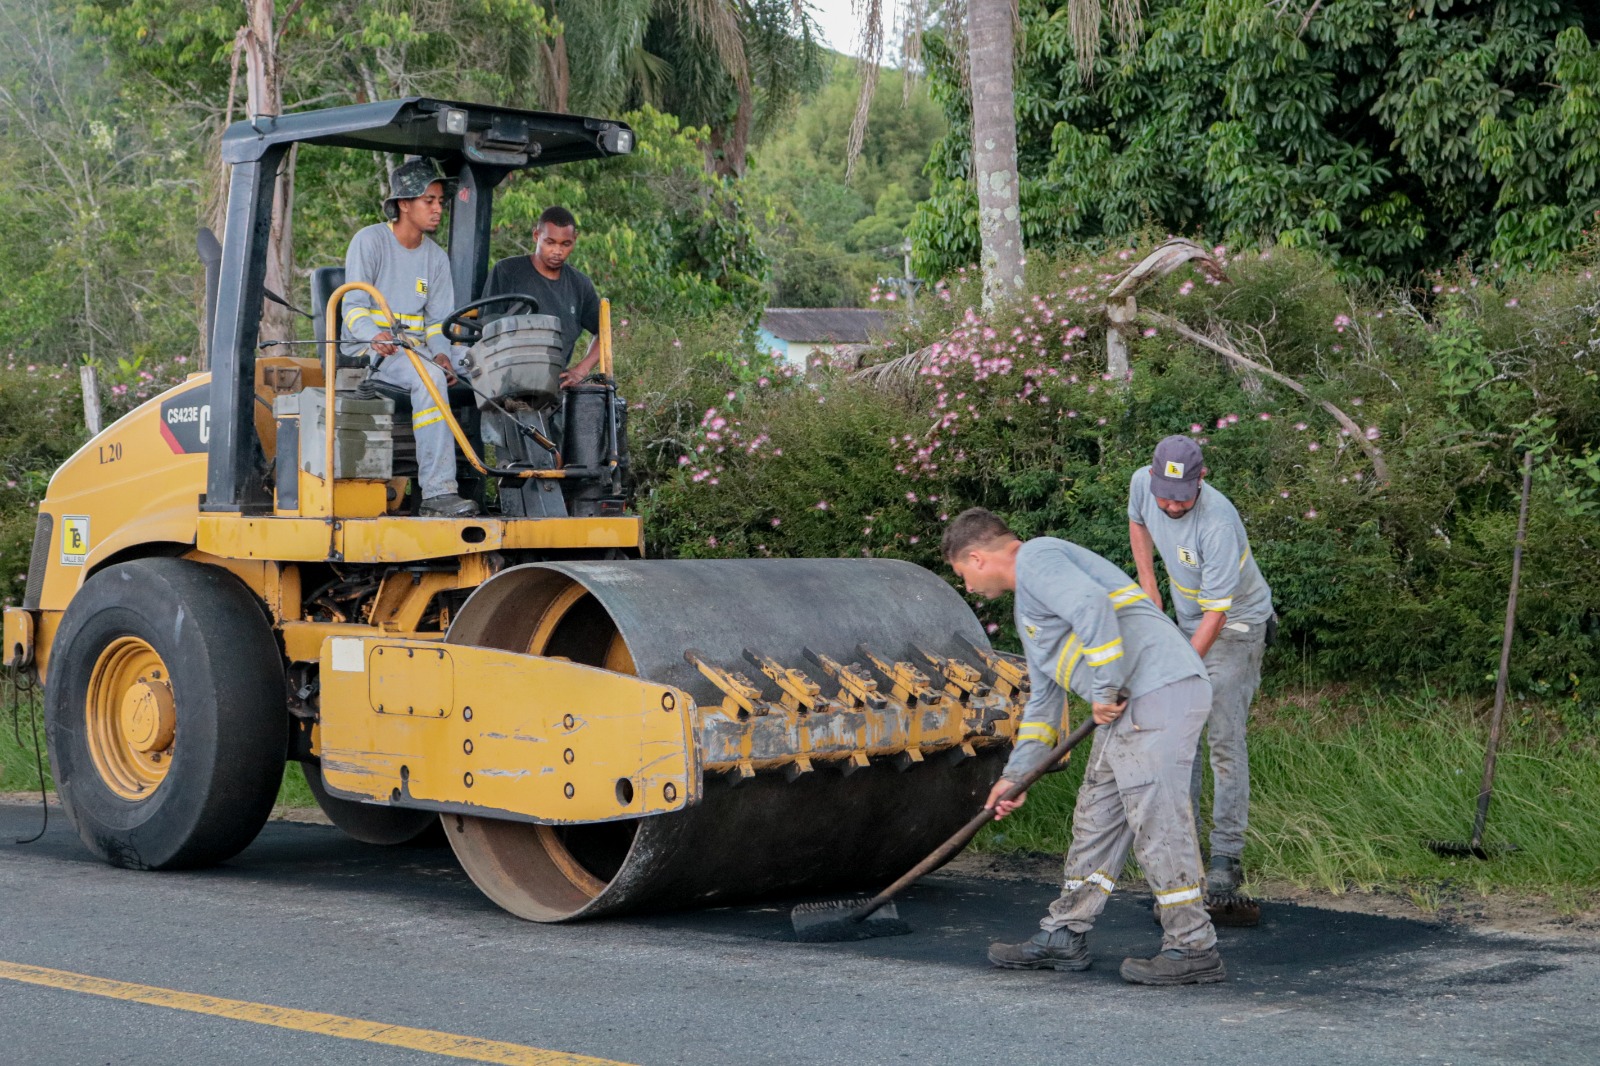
[1176,966]
[448,505]
[1060,950]
[1224,875]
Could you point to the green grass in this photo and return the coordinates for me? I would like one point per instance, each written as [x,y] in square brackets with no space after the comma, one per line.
[1345,791]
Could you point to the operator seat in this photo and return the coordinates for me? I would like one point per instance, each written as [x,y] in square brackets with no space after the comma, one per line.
[463,404]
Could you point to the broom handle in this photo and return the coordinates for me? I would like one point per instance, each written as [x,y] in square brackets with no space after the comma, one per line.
[982,818]
[1486,788]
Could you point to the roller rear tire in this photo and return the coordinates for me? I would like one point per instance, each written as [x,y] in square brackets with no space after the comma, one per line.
[372,823]
[166,714]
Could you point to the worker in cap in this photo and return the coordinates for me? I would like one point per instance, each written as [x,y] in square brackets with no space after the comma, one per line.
[403,262]
[1224,607]
[1086,628]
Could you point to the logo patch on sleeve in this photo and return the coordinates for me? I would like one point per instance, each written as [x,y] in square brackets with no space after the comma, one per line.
[422,290]
[1188,556]
[1174,469]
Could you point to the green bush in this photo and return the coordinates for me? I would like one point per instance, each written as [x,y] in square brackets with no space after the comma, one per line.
[1389,584]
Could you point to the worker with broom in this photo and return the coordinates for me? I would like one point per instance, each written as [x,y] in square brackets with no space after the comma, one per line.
[1086,628]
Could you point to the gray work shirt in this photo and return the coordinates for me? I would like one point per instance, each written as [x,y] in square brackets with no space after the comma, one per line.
[415,282]
[1207,556]
[1086,627]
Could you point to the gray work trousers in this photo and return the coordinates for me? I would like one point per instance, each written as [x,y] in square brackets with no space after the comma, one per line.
[1234,665]
[1134,795]
[436,450]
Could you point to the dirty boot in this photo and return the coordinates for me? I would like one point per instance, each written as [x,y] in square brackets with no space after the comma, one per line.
[1060,950]
[1176,966]
[448,506]
[1224,875]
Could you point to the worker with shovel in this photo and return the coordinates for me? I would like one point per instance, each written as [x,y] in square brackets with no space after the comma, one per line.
[1088,629]
[1224,607]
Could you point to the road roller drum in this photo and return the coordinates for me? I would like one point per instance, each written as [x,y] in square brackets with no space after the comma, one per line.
[835,724]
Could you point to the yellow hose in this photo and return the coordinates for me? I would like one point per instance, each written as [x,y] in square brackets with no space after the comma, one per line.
[422,371]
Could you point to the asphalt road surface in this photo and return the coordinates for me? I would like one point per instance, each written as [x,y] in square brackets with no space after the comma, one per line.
[308,934]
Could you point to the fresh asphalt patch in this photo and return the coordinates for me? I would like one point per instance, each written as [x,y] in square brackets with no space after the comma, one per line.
[305,915]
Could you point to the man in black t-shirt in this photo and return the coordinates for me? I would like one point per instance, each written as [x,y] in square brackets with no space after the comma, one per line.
[563,291]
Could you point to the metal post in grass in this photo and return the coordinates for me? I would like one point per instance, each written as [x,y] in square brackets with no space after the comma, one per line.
[1475,847]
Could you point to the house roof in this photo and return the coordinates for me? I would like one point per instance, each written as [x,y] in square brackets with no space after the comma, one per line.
[822,325]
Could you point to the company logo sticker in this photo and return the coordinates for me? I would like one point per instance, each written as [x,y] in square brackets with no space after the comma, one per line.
[422,286]
[1174,469]
[74,539]
[1188,556]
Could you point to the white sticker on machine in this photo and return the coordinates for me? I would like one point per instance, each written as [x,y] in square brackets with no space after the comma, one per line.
[346,655]
[74,539]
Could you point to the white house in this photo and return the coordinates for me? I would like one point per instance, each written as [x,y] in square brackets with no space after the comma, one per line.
[800,334]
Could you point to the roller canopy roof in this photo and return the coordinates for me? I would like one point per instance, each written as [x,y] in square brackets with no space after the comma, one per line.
[413,126]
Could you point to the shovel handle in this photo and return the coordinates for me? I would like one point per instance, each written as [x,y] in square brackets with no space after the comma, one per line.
[965,834]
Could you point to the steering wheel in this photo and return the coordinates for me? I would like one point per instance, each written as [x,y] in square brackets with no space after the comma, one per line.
[460,327]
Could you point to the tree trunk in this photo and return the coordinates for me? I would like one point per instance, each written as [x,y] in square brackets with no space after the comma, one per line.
[728,147]
[556,73]
[991,29]
[264,96]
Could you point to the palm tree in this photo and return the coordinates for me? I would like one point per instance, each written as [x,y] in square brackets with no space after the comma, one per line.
[733,66]
[990,38]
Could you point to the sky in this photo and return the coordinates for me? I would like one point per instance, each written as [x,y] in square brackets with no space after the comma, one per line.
[840,26]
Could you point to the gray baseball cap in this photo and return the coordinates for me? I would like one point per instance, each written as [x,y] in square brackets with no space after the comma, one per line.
[1175,470]
[409,181]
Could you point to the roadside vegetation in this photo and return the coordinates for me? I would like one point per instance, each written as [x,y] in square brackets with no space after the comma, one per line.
[1391,588]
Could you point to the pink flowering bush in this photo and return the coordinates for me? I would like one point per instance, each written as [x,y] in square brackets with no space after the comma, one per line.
[1013,411]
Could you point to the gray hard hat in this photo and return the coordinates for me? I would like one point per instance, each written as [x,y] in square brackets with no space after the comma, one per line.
[409,181]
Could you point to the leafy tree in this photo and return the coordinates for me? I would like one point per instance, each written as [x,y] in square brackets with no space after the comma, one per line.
[657,233]
[1392,136]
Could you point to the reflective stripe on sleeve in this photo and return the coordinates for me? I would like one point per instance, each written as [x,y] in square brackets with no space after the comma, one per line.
[426,417]
[1245,558]
[1216,605]
[1040,731]
[1108,652]
[434,330]
[1186,894]
[1071,652]
[1120,598]
[356,314]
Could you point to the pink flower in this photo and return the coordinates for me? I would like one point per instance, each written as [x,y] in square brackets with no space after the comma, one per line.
[1372,433]
[1148,333]
[991,628]
[1509,303]
[1264,416]
[822,505]
[710,541]
[1341,321]
[776,522]
[1222,423]
[1300,427]
[1311,514]
[1195,427]
[1284,494]
[1313,446]
[1186,288]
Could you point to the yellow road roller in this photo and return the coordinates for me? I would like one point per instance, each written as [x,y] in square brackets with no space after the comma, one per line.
[235,574]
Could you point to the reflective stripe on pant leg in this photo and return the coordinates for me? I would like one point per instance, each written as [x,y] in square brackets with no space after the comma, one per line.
[1100,842]
[1152,769]
[1234,676]
[436,450]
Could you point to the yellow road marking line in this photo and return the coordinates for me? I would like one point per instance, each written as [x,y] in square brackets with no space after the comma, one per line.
[437,1043]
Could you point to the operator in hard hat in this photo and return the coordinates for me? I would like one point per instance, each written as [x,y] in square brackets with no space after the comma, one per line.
[1086,628]
[401,261]
[1223,606]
